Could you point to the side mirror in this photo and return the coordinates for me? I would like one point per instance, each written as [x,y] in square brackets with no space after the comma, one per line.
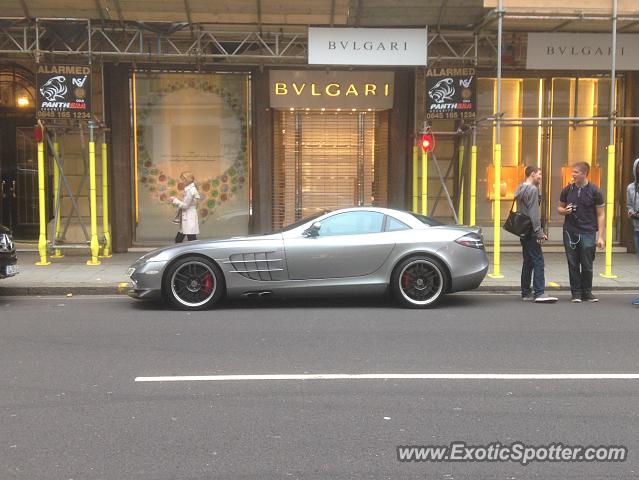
[313,230]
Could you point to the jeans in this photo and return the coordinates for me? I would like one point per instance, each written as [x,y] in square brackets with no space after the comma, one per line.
[580,253]
[179,238]
[533,266]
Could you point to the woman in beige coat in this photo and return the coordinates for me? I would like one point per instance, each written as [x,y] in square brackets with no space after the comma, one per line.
[188,209]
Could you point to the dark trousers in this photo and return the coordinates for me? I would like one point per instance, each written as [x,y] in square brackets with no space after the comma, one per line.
[179,238]
[580,253]
[533,267]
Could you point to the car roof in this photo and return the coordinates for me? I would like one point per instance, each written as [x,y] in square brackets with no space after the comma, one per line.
[401,215]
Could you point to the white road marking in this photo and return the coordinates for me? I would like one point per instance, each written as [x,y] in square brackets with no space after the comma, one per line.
[398,376]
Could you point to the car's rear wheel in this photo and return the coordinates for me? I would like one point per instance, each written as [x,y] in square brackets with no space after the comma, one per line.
[419,282]
[193,283]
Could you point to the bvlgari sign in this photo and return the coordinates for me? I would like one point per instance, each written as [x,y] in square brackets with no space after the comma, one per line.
[581,51]
[334,89]
[367,46]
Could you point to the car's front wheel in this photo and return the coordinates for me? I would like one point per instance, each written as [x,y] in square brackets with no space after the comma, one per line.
[419,282]
[193,283]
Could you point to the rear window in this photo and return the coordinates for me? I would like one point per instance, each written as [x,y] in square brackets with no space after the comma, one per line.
[430,221]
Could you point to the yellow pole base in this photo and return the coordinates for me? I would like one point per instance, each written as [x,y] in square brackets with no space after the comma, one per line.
[608,275]
[105,256]
[42,263]
[57,254]
[93,263]
[495,275]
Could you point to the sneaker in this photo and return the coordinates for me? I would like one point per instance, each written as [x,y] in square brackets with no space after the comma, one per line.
[543,298]
[589,297]
[575,298]
[635,301]
[528,298]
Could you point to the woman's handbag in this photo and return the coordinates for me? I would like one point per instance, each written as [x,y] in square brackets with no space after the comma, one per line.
[178,217]
[517,223]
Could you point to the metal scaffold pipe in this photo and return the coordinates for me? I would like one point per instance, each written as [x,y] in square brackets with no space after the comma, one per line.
[610,187]
[42,239]
[497,155]
[94,245]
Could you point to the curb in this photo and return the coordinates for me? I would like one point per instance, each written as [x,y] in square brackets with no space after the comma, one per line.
[35,291]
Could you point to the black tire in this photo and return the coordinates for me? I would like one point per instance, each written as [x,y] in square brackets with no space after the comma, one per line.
[193,283]
[419,282]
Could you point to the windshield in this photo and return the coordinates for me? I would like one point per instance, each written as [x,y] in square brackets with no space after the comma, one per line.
[302,221]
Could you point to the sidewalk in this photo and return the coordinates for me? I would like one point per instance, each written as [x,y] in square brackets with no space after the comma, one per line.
[71,275]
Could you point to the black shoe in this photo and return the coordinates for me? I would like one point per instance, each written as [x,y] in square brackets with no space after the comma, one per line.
[589,297]
[576,298]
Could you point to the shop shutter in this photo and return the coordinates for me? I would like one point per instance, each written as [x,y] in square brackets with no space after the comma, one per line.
[328,160]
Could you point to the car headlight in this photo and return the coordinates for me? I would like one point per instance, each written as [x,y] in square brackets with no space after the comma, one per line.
[6,244]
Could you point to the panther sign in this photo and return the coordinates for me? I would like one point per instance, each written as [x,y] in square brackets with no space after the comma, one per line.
[450,93]
[64,91]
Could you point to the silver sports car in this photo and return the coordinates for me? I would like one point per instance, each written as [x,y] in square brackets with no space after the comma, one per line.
[364,250]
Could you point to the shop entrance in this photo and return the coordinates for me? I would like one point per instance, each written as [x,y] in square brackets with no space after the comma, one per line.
[18,175]
[325,160]
[572,136]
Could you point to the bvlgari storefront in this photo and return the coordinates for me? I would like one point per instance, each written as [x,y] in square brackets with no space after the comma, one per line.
[554,113]
[331,141]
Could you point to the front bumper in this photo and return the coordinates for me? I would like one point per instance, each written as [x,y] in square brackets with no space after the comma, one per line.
[146,280]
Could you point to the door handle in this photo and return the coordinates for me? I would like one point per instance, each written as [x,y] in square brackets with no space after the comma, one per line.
[2,189]
[13,189]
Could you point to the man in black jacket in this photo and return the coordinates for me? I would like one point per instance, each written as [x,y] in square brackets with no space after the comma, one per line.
[528,202]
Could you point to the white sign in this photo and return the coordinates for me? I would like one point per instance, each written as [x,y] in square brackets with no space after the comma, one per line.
[581,51]
[367,46]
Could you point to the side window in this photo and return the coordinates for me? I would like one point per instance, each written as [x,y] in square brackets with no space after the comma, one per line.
[352,223]
[394,225]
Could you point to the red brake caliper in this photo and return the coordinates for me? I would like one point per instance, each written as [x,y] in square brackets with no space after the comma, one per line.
[406,280]
[207,284]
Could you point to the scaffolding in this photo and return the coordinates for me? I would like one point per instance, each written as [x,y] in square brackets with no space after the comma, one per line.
[48,143]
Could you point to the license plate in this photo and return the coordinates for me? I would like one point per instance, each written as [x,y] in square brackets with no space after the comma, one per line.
[11,270]
[130,271]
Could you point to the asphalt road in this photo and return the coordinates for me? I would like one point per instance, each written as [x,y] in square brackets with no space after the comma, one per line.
[70,407]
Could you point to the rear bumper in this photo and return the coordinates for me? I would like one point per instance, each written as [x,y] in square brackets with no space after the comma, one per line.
[6,259]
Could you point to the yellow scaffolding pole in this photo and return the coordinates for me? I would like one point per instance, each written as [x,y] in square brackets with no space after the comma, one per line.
[42,239]
[610,210]
[497,215]
[57,202]
[106,251]
[460,208]
[424,183]
[415,180]
[473,184]
[94,245]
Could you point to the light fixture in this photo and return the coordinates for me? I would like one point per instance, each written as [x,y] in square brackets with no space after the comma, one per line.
[292,109]
[354,109]
[23,101]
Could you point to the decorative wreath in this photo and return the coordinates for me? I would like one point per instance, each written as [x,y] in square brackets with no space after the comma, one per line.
[214,191]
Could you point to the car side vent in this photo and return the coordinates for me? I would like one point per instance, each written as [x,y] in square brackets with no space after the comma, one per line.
[261,266]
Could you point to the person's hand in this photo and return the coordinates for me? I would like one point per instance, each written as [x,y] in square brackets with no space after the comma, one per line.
[601,243]
[632,213]
[171,199]
[568,208]
[542,238]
